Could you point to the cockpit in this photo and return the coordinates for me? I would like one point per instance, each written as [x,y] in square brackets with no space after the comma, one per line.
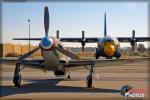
[108,39]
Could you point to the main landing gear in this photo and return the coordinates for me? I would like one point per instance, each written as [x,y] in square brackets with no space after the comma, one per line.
[68,75]
[108,57]
[89,78]
[17,76]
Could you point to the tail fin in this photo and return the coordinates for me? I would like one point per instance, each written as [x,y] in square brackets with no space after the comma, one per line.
[105,27]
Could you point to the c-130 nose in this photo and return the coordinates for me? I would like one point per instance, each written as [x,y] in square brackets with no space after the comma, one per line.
[109,50]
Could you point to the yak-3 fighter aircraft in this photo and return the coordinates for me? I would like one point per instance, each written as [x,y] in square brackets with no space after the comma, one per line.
[56,57]
[107,46]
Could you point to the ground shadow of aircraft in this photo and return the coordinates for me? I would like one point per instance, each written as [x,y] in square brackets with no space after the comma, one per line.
[49,85]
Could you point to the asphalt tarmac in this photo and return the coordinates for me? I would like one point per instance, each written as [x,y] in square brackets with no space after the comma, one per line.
[108,80]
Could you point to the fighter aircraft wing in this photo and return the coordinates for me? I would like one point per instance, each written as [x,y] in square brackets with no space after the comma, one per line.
[138,39]
[77,63]
[104,62]
[89,40]
[33,63]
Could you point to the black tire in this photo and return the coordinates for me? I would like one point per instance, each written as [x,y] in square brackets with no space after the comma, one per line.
[96,55]
[68,77]
[118,56]
[89,81]
[17,81]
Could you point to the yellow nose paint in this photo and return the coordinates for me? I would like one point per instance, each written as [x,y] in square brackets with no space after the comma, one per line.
[109,49]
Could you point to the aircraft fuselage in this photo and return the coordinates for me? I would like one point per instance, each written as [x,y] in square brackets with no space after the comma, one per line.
[53,58]
[108,47]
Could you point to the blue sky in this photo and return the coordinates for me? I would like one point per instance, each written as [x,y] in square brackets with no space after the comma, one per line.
[73,17]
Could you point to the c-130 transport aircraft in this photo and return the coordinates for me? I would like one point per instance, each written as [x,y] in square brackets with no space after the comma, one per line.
[56,57]
[107,46]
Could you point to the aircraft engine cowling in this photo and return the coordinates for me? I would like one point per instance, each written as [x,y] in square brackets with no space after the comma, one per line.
[99,52]
[118,54]
[59,73]
[47,43]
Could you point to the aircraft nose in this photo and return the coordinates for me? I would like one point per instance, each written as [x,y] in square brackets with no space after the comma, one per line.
[46,41]
[109,50]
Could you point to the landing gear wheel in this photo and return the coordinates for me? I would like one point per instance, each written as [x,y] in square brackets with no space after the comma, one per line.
[89,81]
[97,57]
[68,76]
[89,78]
[17,81]
[96,54]
[17,76]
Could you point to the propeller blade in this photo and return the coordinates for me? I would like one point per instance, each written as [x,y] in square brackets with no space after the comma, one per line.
[67,53]
[83,41]
[83,35]
[27,54]
[46,20]
[134,41]
[105,26]
[57,34]
[133,34]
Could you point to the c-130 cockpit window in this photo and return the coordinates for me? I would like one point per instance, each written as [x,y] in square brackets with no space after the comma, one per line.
[107,39]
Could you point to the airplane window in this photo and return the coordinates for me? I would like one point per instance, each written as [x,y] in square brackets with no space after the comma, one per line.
[107,40]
